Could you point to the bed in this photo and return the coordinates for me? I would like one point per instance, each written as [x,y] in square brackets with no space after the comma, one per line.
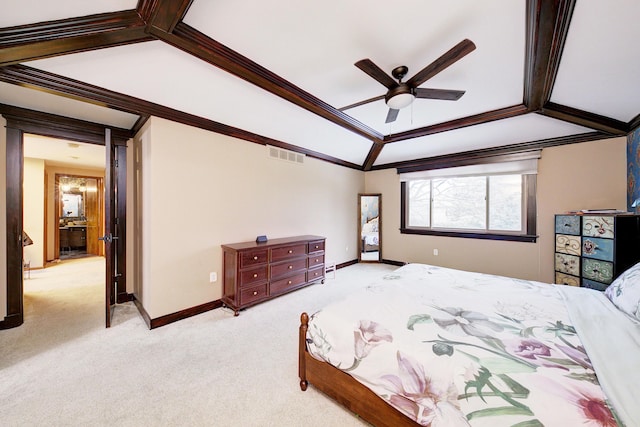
[369,234]
[427,345]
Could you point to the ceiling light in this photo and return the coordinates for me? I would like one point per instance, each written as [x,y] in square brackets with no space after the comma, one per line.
[399,97]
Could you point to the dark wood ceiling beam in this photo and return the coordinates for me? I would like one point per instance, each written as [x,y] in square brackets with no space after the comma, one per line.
[584,118]
[53,38]
[472,157]
[372,156]
[547,27]
[489,116]
[203,47]
[166,14]
[59,85]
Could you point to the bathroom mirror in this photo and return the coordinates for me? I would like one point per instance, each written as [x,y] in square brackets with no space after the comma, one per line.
[369,228]
[72,205]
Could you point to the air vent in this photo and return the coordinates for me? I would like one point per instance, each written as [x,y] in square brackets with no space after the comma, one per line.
[285,155]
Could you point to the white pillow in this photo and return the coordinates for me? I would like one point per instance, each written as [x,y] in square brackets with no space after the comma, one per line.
[624,292]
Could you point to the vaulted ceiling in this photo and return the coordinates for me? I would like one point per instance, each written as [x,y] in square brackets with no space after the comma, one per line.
[280,72]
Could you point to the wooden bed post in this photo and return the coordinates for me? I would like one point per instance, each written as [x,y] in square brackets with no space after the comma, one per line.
[302,343]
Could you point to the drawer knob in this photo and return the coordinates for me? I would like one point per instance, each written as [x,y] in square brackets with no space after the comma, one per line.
[289,282]
[255,258]
[255,293]
[290,251]
[255,275]
[315,274]
[290,267]
[317,260]
[317,246]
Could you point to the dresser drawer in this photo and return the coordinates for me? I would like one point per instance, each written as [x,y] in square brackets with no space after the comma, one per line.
[255,293]
[255,275]
[568,224]
[598,226]
[567,244]
[594,285]
[315,274]
[565,279]
[595,247]
[288,268]
[247,259]
[316,260]
[283,285]
[600,271]
[569,264]
[286,252]
[317,246]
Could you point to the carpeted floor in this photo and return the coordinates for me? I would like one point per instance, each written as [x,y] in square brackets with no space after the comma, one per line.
[62,367]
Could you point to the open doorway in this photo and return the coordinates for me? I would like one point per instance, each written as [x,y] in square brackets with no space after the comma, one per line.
[79,215]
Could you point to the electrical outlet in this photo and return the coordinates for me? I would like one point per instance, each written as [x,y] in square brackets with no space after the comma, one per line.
[435,252]
[213,276]
[347,249]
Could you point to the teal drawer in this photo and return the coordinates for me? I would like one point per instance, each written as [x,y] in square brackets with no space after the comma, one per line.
[568,224]
[594,285]
[598,226]
[569,264]
[600,271]
[595,247]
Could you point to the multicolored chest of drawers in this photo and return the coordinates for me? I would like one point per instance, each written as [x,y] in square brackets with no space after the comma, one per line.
[592,250]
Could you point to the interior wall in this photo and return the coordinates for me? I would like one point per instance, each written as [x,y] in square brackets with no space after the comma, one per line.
[51,171]
[33,216]
[589,175]
[3,218]
[201,190]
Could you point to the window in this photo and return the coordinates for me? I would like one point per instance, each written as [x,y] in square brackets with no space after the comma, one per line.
[487,206]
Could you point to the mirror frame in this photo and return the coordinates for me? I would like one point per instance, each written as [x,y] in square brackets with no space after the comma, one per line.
[360,243]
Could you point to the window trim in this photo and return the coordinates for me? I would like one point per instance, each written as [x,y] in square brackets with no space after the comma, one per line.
[529,216]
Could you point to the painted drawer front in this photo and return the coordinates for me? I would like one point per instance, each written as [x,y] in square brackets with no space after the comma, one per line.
[594,285]
[595,247]
[567,244]
[568,224]
[600,271]
[569,264]
[565,279]
[598,226]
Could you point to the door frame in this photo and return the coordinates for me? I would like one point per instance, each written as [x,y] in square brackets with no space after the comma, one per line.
[21,121]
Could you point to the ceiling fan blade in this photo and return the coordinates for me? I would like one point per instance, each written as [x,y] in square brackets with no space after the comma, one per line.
[444,94]
[392,115]
[376,72]
[357,104]
[454,54]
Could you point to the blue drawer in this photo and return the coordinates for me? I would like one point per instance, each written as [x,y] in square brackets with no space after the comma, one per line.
[594,285]
[599,271]
[595,247]
[568,224]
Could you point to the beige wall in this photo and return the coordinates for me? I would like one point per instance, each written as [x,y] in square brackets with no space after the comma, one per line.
[201,190]
[579,176]
[33,210]
[3,219]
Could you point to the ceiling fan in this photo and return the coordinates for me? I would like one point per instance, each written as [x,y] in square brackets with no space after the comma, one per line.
[401,94]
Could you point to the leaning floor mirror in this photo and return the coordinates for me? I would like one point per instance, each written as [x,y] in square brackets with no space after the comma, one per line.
[369,228]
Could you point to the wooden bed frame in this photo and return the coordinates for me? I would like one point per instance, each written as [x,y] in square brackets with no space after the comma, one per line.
[343,388]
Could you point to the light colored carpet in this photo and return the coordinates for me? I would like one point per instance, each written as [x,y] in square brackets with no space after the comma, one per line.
[62,367]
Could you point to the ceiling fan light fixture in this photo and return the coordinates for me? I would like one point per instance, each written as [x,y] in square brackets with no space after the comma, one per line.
[399,97]
[400,101]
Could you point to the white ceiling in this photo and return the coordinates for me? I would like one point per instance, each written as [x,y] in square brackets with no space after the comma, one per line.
[314,45]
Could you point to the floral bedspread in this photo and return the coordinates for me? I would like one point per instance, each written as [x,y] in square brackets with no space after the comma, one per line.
[453,348]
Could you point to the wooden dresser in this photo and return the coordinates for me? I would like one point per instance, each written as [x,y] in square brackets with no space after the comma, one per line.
[256,272]
[592,250]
